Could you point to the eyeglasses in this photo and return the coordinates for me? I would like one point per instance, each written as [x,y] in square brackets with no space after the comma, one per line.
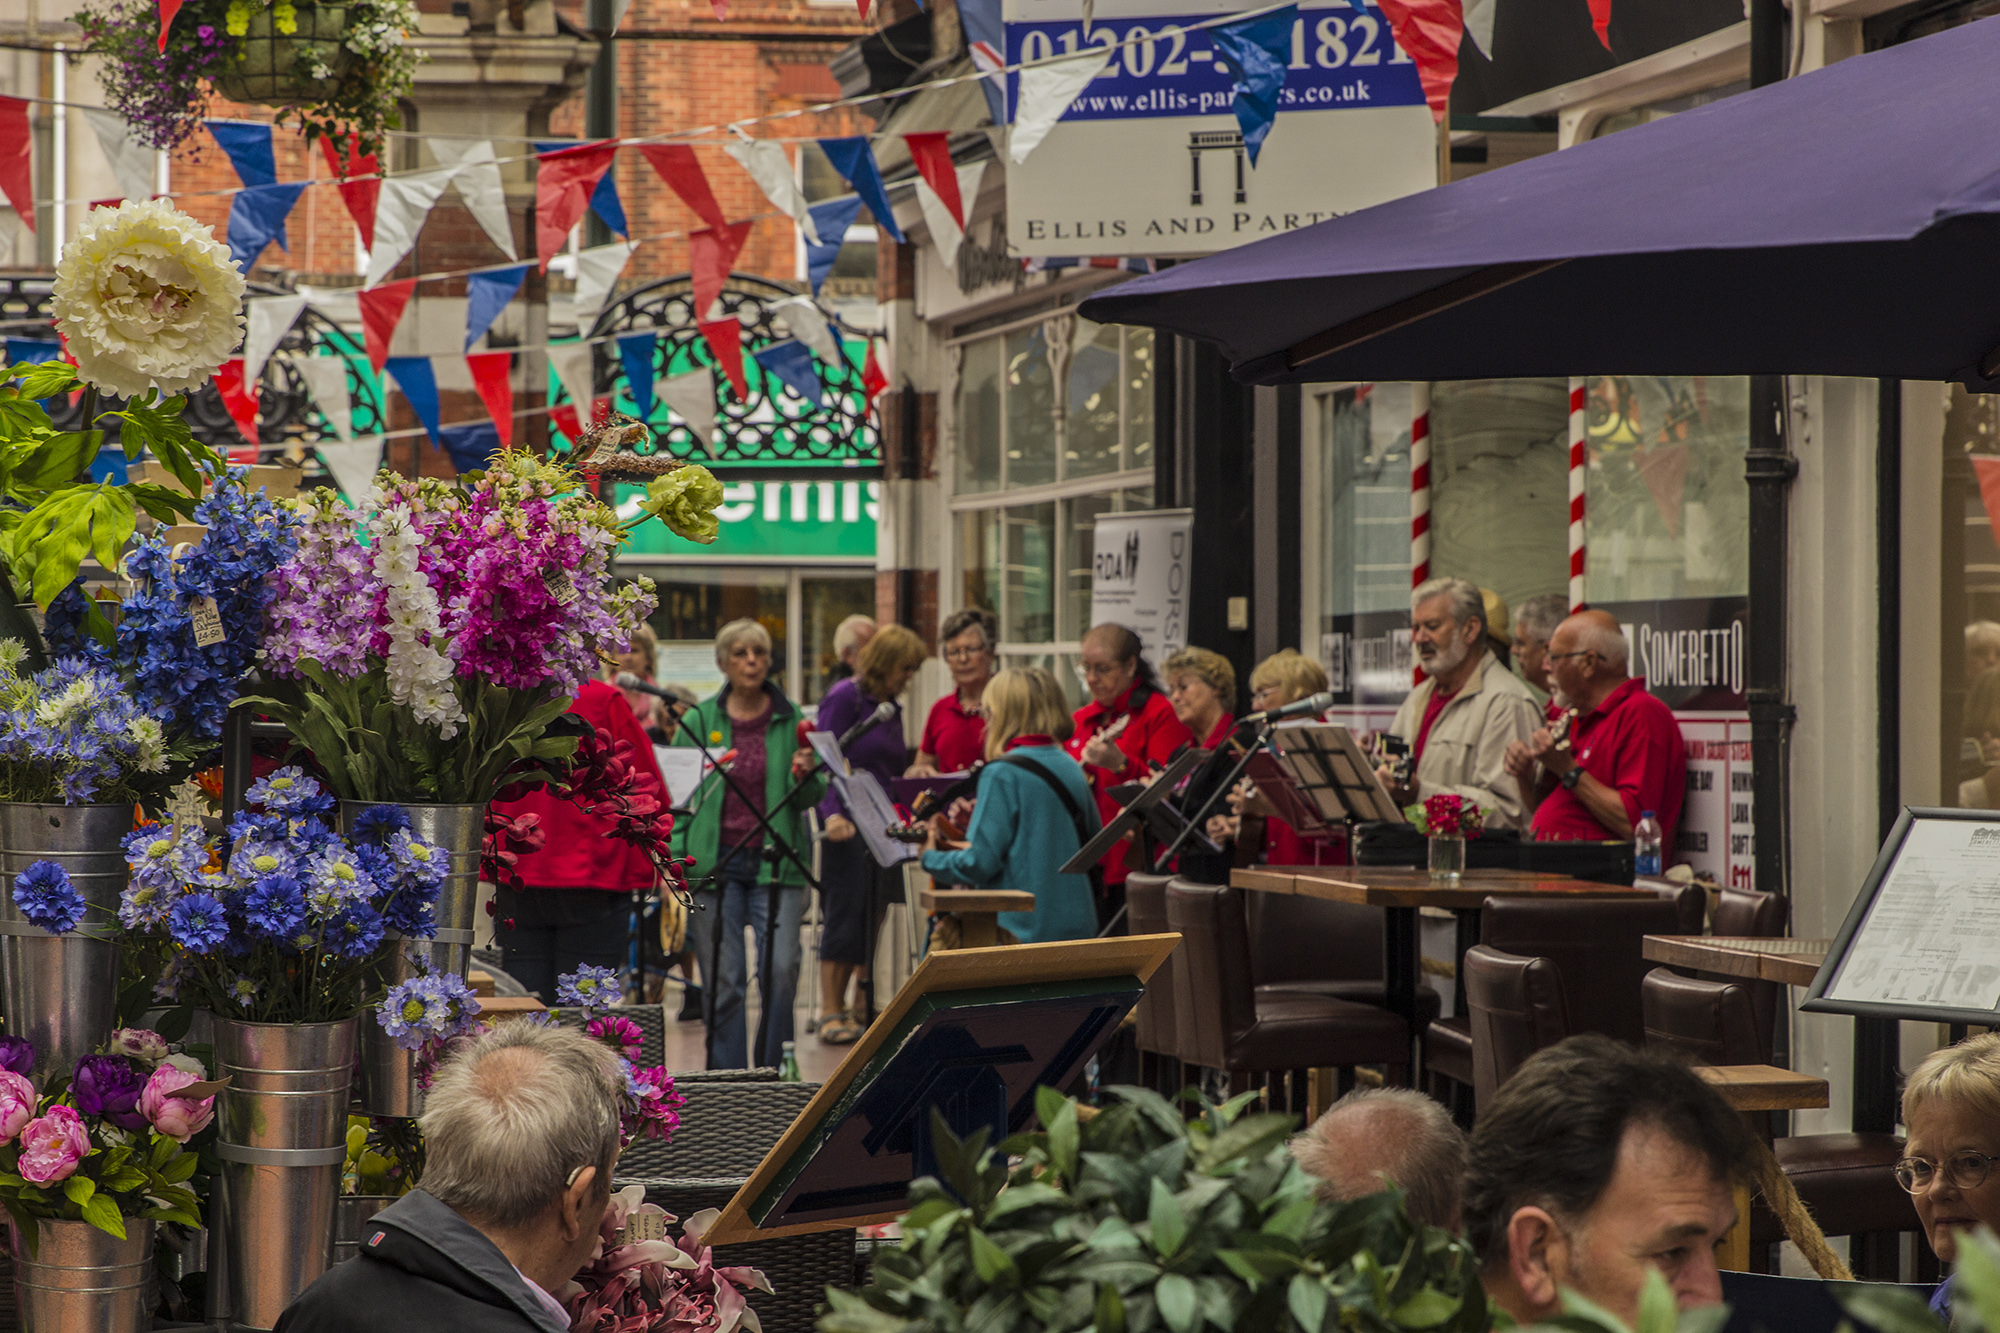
[1962,1171]
[1095,669]
[963,654]
[1558,657]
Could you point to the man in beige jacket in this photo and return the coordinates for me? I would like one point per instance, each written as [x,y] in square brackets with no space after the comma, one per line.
[1459,722]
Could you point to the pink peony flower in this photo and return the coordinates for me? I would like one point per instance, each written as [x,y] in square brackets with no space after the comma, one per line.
[17,1104]
[139,1044]
[176,1117]
[53,1146]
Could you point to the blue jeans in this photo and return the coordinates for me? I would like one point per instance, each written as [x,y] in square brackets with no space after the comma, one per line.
[742,901]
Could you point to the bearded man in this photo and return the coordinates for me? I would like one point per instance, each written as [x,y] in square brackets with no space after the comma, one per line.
[1469,709]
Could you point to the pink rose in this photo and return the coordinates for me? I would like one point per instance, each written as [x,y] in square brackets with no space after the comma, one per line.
[17,1104]
[53,1146]
[176,1117]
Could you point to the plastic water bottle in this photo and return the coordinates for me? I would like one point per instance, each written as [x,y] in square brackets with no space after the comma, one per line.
[1646,840]
[788,1064]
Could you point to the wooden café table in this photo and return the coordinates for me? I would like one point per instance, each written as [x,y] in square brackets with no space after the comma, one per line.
[1787,961]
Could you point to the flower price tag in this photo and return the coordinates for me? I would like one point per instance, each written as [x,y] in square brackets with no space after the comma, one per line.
[561,587]
[644,1227]
[207,620]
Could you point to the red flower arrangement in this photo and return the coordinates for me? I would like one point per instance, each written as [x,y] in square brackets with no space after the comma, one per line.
[1446,816]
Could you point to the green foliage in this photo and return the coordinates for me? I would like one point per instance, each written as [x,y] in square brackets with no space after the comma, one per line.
[1137,1220]
[126,1175]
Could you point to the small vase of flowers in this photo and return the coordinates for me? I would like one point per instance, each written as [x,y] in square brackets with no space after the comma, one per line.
[1447,820]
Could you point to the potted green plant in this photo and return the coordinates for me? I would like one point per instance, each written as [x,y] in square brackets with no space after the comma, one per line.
[1137,1219]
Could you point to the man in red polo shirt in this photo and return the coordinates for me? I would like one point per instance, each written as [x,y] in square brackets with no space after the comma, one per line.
[1624,754]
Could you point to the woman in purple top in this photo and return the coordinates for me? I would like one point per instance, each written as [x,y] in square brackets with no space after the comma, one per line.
[851,885]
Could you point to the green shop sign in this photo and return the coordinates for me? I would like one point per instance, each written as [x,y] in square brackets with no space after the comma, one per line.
[796,520]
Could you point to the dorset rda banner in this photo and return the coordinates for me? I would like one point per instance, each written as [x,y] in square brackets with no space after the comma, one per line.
[1149,159]
[1139,577]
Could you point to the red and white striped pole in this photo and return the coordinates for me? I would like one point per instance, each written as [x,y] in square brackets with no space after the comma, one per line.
[1577,545]
[1420,493]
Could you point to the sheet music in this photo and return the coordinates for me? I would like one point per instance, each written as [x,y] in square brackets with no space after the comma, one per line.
[827,746]
[870,808]
[1932,935]
[682,768]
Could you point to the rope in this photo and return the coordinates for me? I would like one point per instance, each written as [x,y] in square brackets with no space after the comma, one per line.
[1795,1218]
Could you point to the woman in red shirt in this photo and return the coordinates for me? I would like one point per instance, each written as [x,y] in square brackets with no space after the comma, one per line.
[955,732]
[1126,728]
[576,902]
[1201,685]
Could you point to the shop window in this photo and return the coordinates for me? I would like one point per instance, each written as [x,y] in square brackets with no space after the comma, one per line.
[695,603]
[1031,397]
[1969,654]
[979,558]
[1500,484]
[1091,446]
[1362,456]
[1027,608]
[979,417]
[1139,347]
[824,601]
[1080,537]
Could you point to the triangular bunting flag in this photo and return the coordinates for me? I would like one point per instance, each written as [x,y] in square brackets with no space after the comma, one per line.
[768,165]
[400,211]
[238,398]
[807,323]
[381,311]
[168,8]
[248,144]
[1045,93]
[270,319]
[792,363]
[133,161]
[575,365]
[352,465]
[471,445]
[597,271]
[692,399]
[564,180]
[326,381]
[476,176]
[636,351]
[486,295]
[358,195]
[1429,31]
[985,39]
[418,382]
[873,381]
[1256,50]
[605,203]
[564,418]
[832,219]
[930,152]
[711,254]
[855,161]
[17,167]
[1600,21]
[492,377]
[725,344]
[1479,16]
[257,218]
[681,170]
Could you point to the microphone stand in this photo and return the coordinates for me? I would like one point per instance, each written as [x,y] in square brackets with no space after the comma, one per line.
[1228,783]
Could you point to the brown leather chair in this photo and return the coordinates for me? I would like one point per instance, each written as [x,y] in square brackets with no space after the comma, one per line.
[1156,1027]
[1710,1022]
[1224,1023]
[1309,946]
[1690,901]
[1515,1006]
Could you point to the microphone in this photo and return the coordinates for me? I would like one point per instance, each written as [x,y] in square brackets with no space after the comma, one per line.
[1306,707]
[883,712]
[625,680]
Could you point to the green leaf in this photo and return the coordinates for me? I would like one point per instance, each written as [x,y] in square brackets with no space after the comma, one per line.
[1110,1316]
[1977,1281]
[79,1189]
[44,380]
[61,529]
[1290,1221]
[1584,1310]
[58,460]
[1429,1308]
[179,1169]
[1658,1310]
[1307,1299]
[1175,1296]
[993,1264]
[1168,1222]
[103,1214]
[1029,1194]
[1888,1309]
[159,427]
[1063,1135]
[1249,1137]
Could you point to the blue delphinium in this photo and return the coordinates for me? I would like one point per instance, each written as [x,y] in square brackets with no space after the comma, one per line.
[46,897]
[198,923]
[589,988]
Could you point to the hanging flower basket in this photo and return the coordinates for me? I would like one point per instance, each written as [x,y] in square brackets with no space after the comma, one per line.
[284,69]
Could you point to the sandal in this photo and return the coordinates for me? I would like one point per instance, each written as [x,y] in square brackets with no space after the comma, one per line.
[838,1030]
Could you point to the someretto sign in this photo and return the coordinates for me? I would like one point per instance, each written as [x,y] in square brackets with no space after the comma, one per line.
[1149,160]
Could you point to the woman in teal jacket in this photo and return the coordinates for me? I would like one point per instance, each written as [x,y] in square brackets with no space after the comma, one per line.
[734,882]
[1022,829]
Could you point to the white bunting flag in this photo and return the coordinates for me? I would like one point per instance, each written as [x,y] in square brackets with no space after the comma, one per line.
[943,227]
[1479,24]
[772,170]
[1046,92]
[133,163]
[326,381]
[476,174]
[354,463]
[271,318]
[807,323]
[572,363]
[597,271]
[400,211]
[618,10]
[692,397]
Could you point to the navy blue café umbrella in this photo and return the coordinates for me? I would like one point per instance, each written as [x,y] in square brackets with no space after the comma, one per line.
[1846,222]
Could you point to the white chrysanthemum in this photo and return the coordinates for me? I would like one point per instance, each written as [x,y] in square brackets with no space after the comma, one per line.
[146,295]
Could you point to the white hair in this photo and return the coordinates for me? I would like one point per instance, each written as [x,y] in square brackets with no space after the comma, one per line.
[1536,619]
[1604,640]
[735,632]
[513,1116]
[849,633]
[1466,599]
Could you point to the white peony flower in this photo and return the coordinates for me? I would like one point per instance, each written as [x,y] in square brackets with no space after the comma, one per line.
[146,295]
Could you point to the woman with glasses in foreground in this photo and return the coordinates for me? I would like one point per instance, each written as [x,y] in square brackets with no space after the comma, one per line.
[1951,1106]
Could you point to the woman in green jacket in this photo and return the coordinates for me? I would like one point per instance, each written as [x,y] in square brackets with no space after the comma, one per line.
[736,879]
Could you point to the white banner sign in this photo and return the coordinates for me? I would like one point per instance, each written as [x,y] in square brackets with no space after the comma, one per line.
[1149,158]
[1139,577]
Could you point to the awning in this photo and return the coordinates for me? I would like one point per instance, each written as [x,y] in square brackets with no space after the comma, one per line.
[1846,222]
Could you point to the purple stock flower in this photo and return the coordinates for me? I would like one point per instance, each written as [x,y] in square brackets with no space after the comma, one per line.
[108,1086]
[17,1054]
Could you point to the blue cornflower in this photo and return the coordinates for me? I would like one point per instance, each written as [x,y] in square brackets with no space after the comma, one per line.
[260,826]
[144,906]
[244,990]
[275,906]
[589,988]
[47,898]
[429,1008]
[336,873]
[258,858]
[163,857]
[378,822]
[286,792]
[355,933]
[197,923]
[423,861]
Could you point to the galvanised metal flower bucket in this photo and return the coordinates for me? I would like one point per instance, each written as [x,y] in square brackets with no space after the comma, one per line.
[82,1280]
[61,991]
[282,1140]
[276,67]
[388,1072]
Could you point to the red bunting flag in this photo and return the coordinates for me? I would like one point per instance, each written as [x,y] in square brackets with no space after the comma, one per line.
[862,5]
[681,169]
[381,311]
[712,253]
[1429,32]
[873,381]
[239,399]
[168,8]
[725,342]
[491,376]
[17,172]
[1600,21]
[564,181]
[931,152]
[358,195]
